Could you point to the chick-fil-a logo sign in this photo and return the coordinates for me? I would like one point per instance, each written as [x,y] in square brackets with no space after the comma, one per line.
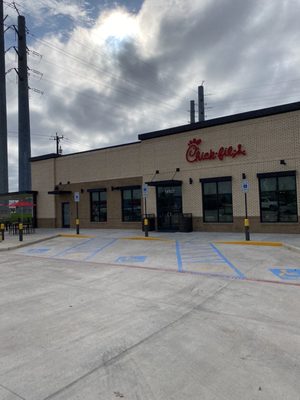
[194,153]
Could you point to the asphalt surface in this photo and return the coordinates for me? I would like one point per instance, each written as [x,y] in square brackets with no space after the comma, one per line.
[111,314]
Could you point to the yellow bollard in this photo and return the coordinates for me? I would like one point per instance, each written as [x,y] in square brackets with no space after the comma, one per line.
[146,226]
[21,232]
[247,228]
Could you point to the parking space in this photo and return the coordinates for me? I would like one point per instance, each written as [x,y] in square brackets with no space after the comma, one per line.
[114,315]
[261,262]
[186,254]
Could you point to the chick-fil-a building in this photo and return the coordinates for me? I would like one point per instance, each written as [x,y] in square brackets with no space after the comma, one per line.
[190,177]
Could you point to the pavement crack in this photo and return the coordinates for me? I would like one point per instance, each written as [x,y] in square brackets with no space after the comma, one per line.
[124,352]
[12,392]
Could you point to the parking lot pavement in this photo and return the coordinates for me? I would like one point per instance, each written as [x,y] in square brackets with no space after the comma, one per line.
[197,253]
[92,330]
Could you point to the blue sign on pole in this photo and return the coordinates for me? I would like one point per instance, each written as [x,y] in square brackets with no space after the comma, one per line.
[245,186]
[145,190]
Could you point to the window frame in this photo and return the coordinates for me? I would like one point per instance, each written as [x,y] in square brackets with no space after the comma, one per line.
[131,189]
[277,175]
[98,191]
[216,180]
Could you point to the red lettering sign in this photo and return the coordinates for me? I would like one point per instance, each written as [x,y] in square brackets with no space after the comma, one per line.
[194,153]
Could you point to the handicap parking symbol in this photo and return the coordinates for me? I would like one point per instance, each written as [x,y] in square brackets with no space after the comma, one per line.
[286,273]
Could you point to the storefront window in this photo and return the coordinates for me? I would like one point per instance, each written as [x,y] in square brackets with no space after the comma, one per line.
[98,206]
[131,204]
[278,197]
[217,200]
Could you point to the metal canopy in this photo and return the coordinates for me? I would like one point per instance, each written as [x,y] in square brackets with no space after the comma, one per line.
[170,182]
[58,192]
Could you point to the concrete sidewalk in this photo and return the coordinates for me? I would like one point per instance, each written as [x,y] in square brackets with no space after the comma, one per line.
[291,241]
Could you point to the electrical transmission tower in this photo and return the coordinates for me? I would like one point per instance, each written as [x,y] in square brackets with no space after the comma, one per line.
[3,111]
[24,140]
[24,119]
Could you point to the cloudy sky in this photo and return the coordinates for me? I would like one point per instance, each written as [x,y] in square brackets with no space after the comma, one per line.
[114,69]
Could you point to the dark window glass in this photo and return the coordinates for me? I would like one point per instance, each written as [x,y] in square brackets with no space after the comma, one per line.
[217,201]
[278,199]
[131,204]
[98,206]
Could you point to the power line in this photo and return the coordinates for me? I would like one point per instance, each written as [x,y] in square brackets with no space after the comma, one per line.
[114,88]
[114,76]
[99,69]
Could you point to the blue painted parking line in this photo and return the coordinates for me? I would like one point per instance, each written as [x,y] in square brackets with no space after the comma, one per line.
[178,255]
[286,273]
[64,252]
[99,249]
[207,260]
[38,251]
[238,272]
[130,259]
[202,254]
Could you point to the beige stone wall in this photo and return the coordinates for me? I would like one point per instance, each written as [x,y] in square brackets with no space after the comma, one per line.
[43,180]
[89,167]
[266,140]
[112,163]
[114,204]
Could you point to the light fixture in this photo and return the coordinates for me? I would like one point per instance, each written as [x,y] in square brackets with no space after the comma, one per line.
[282,162]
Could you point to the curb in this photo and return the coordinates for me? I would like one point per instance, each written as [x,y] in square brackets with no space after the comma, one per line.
[252,243]
[147,238]
[22,244]
[18,246]
[74,235]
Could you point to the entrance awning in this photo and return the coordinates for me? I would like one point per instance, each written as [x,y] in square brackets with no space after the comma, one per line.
[170,182]
[58,192]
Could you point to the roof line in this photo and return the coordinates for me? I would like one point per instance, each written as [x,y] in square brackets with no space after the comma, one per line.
[54,155]
[264,112]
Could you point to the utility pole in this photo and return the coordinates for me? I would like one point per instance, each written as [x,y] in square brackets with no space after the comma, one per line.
[24,119]
[57,139]
[3,111]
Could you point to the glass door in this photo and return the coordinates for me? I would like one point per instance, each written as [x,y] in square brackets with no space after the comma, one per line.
[169,207]
[65,207]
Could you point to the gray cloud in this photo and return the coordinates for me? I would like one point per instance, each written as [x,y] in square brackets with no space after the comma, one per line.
[105,89]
